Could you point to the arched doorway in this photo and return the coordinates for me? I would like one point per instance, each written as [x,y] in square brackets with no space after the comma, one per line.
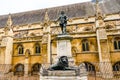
[19,70]
[36,69]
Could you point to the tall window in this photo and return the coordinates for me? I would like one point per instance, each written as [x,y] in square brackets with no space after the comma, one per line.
[117,43]
[20,49]
[85,45]
[37,48]
[116,66]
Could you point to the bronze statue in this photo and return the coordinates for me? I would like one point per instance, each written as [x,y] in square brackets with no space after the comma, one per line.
[63,22]
[62,64]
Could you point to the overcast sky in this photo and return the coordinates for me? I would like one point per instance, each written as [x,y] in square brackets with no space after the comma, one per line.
[15,6]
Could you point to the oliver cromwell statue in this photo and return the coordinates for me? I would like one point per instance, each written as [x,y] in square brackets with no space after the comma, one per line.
[63,22]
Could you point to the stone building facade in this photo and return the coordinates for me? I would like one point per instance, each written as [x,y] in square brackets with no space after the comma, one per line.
[28,39]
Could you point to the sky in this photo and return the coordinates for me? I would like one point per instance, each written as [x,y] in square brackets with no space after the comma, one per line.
[16,6]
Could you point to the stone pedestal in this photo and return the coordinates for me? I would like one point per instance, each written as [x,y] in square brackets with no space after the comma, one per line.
[62,75]
[78,73]
[64,47]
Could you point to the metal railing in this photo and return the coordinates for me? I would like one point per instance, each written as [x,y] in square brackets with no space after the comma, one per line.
[7,74]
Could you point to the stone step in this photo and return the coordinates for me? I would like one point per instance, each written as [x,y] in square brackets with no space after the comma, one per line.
[62,73]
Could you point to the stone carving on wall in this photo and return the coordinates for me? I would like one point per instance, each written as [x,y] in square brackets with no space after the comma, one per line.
[21,34]
[74,50]
[110,25]
[87,29]
[32,34]
[72,29]
[117,23]
[46,23]
[27,53]
[45,39]
[55,30]
[101,23]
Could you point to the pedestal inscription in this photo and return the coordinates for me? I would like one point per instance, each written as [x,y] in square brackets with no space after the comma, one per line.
[64,46]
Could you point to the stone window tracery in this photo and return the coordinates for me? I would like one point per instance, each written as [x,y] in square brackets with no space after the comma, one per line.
[117,43]
[85,45]
[37,48]
[20,49]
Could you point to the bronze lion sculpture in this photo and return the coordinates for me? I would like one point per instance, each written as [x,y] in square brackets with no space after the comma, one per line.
[61,64]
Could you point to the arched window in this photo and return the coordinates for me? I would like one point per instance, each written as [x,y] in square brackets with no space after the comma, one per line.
[116,66]
[20,49]
[117,43]
[36,68]
[89,67]
[37,48]
[19,69]
[85,45]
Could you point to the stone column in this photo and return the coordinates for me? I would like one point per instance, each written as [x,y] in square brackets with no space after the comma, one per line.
[46,35]
[26,63]
[103,49]
[7,42]
[48,48]
[26,67]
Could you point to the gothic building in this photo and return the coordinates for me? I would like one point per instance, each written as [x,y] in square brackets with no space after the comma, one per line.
[28,39]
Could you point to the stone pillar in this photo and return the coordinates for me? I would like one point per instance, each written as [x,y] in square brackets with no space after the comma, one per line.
[64,47]
[7,42]
[26,67]
[26,63]
[46,40]
[48,48]
[103,49]
[44,53]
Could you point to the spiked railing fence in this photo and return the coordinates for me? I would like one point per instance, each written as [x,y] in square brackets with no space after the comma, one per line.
[6,73]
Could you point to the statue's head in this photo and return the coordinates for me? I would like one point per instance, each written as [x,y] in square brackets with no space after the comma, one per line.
[64,60]
[62,12]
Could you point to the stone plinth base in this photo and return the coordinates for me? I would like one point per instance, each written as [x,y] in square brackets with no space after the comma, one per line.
[64,46]
[62,75]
